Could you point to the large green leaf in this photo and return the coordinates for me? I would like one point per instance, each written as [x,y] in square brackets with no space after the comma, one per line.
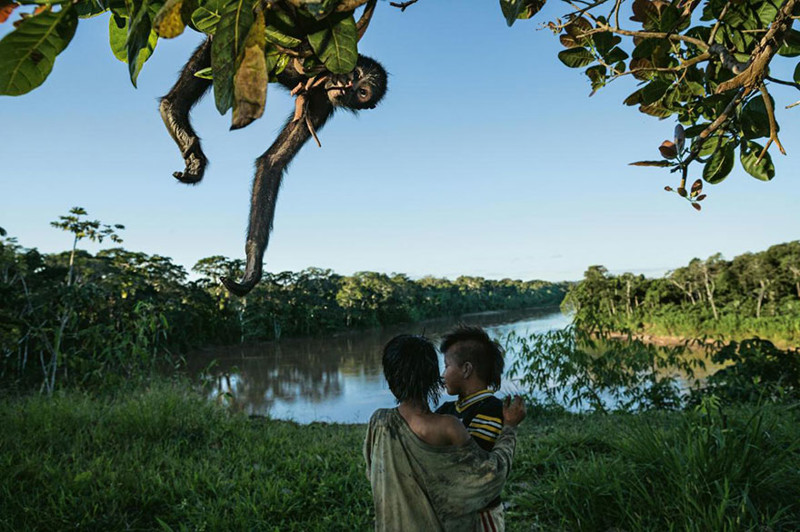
[232,29]
[28,53]
[576,57]
[763,170]
[336,43]
[720,164]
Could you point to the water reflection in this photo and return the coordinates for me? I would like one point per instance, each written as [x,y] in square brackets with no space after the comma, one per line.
[336,379]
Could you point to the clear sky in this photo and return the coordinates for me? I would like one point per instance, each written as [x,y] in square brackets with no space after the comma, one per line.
[486,158]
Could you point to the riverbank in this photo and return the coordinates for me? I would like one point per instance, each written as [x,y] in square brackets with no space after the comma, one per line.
[669,340]
[166,459]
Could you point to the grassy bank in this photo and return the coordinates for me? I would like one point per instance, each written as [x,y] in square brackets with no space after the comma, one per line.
[165,459]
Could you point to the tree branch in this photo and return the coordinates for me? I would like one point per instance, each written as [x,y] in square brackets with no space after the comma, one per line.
[366,17]
[752,76]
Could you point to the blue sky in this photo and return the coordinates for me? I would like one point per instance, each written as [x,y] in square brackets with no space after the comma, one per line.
[486,158]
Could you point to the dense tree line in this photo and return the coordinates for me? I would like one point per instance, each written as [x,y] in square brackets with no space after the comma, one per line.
[74,317]
[752,294]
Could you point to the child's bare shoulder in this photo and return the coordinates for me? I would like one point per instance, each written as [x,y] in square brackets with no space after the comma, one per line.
[454,429]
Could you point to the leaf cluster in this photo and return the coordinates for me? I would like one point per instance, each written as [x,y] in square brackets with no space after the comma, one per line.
[253,43]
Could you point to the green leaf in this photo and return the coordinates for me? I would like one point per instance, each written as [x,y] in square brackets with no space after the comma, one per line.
[275,36]
[748,154]
[117,35]
[520,9]
[206,17]
[168,22]
[720,164]
[336,43]
[646,48]
[28,53]
[754,119]
[576,57]
[204,73]
[654,91]
[231,31]
[791,44]
[141,39]
[615,55]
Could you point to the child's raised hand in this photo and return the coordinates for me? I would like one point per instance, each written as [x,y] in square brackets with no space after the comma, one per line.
[513,411]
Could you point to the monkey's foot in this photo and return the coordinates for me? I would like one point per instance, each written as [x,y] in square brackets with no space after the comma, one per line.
[195,166]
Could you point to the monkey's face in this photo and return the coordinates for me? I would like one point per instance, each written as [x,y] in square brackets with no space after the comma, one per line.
[362,88]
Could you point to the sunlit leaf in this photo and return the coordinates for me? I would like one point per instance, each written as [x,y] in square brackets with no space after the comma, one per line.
[697,187]
[168,22]
[28,53]
[668,149]
[204,73]
[6,9]
[251,79]
[749,153]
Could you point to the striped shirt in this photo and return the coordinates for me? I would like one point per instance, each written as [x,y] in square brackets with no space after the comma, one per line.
[482,414]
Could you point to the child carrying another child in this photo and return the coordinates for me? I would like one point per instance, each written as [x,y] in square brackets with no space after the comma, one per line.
[473,368]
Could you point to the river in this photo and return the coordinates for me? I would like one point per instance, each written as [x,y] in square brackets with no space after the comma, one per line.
[336,379]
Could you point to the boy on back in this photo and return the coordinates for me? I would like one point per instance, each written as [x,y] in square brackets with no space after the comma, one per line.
[473,368]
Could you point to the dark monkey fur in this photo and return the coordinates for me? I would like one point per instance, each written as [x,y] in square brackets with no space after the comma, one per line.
[362,88]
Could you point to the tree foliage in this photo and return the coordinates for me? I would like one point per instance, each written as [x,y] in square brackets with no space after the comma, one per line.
[73,318]
[708,64]
[752,294]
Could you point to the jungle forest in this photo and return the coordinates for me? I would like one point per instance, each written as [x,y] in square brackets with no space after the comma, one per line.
[663,402]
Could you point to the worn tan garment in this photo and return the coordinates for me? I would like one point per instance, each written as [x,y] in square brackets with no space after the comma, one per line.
[418,486]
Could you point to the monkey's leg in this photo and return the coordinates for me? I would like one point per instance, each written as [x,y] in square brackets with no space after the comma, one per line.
[266,183]
[175,108]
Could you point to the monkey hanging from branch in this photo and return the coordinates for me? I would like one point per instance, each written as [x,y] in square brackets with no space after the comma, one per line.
[319,93]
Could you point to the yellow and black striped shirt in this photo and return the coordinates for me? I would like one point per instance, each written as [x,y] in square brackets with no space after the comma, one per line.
[481,413]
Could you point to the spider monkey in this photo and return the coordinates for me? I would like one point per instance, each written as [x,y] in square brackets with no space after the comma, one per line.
[363,88]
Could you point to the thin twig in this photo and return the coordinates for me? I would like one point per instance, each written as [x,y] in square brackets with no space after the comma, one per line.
[773,125]
[714,126]
[781,82]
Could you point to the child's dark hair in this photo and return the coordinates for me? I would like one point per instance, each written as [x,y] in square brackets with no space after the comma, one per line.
[411,368]
[475,347]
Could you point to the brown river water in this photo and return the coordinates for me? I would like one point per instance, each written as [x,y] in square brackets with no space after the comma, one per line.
[339,378]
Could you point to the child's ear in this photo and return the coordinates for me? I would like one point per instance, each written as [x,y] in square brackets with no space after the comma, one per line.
[467,369]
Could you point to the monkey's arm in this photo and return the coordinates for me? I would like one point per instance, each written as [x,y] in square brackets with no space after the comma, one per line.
[175,107]
[266,183]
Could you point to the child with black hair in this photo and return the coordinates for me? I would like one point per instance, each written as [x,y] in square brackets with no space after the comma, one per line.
[425,470]
[473,369]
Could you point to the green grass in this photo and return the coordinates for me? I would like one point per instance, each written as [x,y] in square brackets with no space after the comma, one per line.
[166,459]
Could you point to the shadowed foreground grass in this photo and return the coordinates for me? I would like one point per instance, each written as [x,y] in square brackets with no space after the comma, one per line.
[165,459]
